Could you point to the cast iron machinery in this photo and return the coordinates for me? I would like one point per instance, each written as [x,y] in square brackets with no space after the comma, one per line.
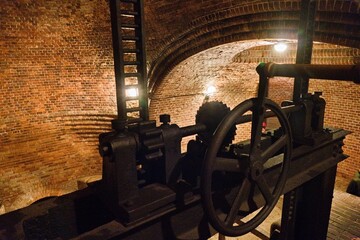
[151,190]
[145,175]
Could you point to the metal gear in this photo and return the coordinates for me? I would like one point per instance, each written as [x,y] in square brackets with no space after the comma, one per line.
[211,114]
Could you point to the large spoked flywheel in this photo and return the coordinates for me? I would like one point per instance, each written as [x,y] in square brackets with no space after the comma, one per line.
[240,190]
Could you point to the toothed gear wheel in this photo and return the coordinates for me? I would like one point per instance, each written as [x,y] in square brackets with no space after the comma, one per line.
[211,114]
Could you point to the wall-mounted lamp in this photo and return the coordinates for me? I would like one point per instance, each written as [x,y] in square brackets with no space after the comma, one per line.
[280,47]
[210,91]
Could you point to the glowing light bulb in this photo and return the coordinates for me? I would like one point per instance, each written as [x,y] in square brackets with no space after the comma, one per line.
[210,91]
[280,47]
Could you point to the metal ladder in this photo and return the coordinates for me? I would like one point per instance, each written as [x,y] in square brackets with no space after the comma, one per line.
[129,62]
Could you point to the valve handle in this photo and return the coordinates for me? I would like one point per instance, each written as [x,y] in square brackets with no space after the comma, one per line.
[225,219]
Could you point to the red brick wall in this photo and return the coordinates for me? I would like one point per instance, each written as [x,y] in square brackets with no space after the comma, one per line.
[183,90]
[57,95]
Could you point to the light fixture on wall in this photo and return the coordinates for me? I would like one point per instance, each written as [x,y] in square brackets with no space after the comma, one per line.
[280,47]
[210,91]
[132,92]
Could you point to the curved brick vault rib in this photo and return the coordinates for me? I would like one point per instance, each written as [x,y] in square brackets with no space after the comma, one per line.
[322,54]
[87,126]
[337,22]
[230,69]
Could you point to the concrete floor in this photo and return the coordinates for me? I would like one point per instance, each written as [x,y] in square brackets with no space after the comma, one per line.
[344,219]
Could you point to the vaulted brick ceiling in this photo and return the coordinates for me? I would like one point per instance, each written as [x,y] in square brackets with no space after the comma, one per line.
[178,29]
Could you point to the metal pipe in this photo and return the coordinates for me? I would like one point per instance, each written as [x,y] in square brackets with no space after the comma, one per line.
[329,72]
[304,45]
[194,129]
[191,130]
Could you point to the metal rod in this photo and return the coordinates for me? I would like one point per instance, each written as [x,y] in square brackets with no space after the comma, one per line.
[141,56]
[191,130]
[194,129]
[330,72]
[305,45]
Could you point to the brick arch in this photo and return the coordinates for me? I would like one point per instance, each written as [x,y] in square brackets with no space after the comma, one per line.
[233,75]
[337,22]
[321,54]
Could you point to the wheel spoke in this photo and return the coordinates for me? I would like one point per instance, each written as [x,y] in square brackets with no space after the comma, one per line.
[256,127]
[265,189]
[230,165]
[240,197]
[274,148]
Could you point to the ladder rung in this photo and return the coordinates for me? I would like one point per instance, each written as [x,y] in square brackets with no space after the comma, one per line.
[127,12]
[134,38]
[131,63]
[131,98]
[135,109]
[132,75]
[132,86]
[129,25]
[129,50]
